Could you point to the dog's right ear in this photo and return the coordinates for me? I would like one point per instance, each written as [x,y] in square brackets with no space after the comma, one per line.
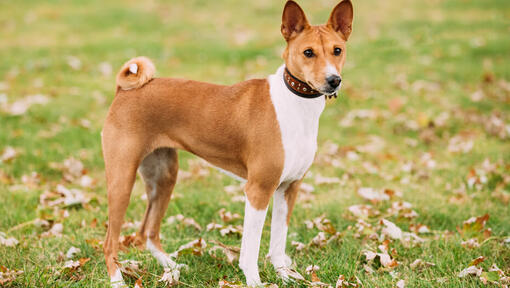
[293,20]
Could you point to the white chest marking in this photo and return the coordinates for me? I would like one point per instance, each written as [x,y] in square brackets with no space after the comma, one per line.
[299,124]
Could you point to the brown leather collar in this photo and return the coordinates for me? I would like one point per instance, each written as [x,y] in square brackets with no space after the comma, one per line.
[300,88]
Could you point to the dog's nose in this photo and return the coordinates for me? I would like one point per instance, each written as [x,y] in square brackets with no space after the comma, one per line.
[334,80]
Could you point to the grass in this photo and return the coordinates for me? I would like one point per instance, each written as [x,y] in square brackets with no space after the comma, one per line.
[408,62]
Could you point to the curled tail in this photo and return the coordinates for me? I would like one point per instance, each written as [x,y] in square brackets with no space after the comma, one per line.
[135,73]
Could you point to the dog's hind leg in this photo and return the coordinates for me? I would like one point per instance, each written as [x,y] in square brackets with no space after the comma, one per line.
[121,161]
[159,171]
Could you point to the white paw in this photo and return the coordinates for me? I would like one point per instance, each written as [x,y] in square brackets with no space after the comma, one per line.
[118,284]
[252,275]
[288,275]
[280,261]
[116,281]
[253,280]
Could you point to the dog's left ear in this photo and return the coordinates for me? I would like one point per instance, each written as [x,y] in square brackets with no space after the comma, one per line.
[341,18]
[293,20]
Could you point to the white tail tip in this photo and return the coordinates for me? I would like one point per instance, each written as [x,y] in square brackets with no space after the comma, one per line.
[133,68]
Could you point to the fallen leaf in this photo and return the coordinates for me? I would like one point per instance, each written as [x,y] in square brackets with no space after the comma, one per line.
[470,243]
[170,277]
[363,211]
[232,253]
[298,245]
[138,283]
[9,242]
[130,268]
[477,261]
[391,230]
[184,220]
[227,216]
[372,195]
[55,231]
[74,62]
[7,275]
[72,252]
[419,263]
[21,106]
[8,154]
[320,180]
[196,247]
[287,272]
[471,270]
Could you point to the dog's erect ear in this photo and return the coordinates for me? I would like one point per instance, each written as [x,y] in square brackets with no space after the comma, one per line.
[341,18]
[293,20]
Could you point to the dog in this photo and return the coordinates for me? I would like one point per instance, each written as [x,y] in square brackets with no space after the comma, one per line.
[261,130]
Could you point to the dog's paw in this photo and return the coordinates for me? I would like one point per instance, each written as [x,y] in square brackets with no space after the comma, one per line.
[287,260]
[252,276]
[253,281]
[289,275]
[117,281]
[280,261]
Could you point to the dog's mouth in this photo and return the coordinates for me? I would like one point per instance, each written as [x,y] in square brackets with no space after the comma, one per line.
[326,89]
[329,91]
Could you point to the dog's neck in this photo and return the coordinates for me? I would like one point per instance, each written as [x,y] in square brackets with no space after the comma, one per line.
[299,87]
[311,107]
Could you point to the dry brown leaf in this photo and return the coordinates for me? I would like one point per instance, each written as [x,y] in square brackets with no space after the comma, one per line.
[72,252]
[128,241]
[470,243]
[130,268]
[21,106]
[179,218]
[138,283]
[55,231]
[373,195]
[170,277]
[471,270]
[363,211]
[419,263]
[460,144]
[227,216]
[7,241]
[8,154]
[195,247]
[231,252]
[288,273]
[474,227]
[298,245]
[7,275]
[477,261]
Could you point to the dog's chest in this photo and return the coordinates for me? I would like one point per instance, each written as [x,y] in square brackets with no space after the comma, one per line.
[298,119]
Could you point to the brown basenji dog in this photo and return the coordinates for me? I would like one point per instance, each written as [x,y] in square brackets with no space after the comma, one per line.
[262,130]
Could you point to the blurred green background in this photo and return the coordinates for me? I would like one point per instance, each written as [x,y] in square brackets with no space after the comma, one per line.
[418,74]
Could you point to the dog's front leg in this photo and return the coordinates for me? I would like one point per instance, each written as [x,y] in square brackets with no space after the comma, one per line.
[257,201]
[283,203]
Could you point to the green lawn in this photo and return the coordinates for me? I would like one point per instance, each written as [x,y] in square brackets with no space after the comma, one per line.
[424,113]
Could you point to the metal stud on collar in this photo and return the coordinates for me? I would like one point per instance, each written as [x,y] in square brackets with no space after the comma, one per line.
[302,89]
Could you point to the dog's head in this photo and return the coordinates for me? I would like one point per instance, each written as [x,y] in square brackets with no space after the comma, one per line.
[316,54]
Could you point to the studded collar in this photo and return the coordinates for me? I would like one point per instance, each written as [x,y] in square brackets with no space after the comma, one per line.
[299,87]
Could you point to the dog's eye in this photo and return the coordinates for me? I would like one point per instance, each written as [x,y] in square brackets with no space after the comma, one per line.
[337,51]
[308,53]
